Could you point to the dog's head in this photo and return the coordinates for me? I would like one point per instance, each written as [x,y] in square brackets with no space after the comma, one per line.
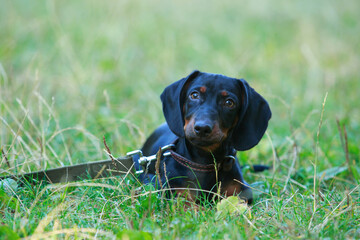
[208,109]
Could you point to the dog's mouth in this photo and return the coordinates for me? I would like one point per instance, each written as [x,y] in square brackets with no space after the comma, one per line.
[206,143]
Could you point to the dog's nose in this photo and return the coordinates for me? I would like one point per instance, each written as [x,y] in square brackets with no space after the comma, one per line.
[202,129]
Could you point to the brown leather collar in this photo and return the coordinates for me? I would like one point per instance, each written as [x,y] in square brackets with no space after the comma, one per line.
[224,165]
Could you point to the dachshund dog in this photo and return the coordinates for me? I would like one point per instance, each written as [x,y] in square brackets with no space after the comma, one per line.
[208,118]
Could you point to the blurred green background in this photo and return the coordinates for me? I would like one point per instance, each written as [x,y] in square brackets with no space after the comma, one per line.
[74,71]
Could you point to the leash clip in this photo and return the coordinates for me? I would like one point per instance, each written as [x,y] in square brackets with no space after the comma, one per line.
[144,161]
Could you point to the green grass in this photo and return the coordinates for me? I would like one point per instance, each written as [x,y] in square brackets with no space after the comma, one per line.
[74,71]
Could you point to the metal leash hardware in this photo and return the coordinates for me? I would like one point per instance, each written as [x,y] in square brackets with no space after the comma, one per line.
[144,161]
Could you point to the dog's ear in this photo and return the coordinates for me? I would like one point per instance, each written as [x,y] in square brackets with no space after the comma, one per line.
[253,120]
[172,102]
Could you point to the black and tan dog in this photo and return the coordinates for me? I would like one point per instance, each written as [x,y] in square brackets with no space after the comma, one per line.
[208,117]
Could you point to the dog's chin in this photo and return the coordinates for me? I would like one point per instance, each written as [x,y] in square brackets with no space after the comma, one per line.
[204,143]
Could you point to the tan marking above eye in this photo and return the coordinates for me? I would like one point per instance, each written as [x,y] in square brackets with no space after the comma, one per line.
[224,93]
[203,89]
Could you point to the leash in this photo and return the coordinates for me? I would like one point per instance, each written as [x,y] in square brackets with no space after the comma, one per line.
[91,170]
[114,167]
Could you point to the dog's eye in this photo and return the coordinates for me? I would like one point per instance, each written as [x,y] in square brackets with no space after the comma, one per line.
[229,103]
[194,95]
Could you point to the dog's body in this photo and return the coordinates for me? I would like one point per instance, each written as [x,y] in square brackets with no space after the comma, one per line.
[208,118]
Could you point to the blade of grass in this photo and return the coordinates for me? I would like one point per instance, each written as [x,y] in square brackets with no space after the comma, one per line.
[316,161]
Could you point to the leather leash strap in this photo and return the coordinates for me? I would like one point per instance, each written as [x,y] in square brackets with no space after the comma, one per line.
[92,170]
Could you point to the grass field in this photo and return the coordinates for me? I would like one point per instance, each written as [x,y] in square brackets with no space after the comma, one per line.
[72,72]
